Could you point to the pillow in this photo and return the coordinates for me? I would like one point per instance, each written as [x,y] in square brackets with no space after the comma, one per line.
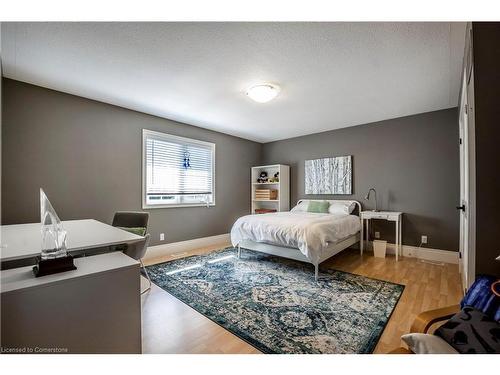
[300,207]
[318,207]
[422,343]
[341,208]
[140,231]
[471,331]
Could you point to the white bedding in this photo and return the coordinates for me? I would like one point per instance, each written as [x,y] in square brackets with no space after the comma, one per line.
[310,232]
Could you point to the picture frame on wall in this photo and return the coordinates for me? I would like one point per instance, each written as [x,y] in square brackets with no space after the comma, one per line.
[329,175]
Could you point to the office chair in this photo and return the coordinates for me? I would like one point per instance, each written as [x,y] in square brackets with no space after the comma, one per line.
[137,223]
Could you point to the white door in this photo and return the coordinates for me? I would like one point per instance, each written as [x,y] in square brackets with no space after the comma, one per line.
[467,181]
[464,185]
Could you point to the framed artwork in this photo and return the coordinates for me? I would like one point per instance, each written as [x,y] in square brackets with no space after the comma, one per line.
[329,175]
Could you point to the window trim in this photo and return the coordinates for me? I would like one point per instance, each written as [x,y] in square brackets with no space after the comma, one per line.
[145,134]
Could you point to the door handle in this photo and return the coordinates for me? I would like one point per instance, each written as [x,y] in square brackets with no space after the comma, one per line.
[462,207]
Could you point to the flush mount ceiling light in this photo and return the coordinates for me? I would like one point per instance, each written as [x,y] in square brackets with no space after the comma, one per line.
[263,93]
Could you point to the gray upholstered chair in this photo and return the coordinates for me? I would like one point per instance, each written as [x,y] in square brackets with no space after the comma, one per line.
[131,219]
[137,223]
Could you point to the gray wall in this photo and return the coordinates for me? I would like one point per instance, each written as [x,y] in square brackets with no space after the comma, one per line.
[87,157]
[413,162]
[1,117]
[486,50]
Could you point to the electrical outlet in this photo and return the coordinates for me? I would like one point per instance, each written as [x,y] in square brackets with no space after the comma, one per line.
[377,234]
[162,236]
[424,239]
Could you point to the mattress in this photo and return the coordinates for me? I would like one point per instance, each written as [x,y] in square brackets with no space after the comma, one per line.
[309,232]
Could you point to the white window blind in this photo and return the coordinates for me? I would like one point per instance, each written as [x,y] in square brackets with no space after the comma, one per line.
[178,171]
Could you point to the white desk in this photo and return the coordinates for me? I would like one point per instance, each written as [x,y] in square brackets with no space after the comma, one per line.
[23,278]
[21,241]
[93,309]
[396,217]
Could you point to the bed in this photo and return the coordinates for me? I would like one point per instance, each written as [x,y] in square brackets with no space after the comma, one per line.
[301,235]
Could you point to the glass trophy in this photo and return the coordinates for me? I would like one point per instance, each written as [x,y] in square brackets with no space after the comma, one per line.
[54,257]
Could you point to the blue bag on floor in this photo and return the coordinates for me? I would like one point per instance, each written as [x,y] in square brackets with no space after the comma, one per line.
[482,297]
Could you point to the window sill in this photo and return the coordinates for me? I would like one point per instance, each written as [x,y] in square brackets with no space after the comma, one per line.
[152,207]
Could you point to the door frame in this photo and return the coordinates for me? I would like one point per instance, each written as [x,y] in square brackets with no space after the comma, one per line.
[467,240]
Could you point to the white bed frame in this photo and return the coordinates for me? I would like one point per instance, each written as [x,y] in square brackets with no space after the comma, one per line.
[294,253]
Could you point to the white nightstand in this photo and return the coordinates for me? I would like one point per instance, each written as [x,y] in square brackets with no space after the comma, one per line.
[396,217]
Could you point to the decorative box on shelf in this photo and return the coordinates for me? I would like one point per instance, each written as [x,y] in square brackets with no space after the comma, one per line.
[266,194]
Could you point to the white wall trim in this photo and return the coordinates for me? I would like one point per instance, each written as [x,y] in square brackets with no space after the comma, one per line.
[433,255]
[183,246]
[426,253]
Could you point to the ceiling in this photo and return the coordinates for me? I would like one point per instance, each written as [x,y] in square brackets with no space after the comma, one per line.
[332,75]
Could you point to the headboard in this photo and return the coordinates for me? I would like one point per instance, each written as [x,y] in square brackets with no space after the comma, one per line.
[356,211]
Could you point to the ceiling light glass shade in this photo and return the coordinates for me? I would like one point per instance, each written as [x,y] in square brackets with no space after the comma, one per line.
[263,93]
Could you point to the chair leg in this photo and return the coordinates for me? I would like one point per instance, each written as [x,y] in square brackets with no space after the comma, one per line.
[239,251]
[147,276]
[316,267]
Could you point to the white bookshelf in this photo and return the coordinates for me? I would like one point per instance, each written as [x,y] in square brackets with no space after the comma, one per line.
[282,203]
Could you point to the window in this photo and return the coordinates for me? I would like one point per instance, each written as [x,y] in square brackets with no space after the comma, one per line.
[177,171]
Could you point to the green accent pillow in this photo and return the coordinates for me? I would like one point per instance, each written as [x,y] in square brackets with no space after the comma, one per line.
[319,207]
[140,231]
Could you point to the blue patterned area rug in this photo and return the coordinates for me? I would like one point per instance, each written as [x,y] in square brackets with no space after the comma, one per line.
[276,305]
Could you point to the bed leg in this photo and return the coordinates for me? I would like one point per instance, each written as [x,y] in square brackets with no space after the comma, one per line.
[239,251]
[316,267]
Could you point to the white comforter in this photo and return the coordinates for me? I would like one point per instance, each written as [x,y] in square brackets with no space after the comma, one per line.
[311,233]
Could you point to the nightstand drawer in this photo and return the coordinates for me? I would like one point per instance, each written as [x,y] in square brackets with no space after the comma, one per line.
[376,215]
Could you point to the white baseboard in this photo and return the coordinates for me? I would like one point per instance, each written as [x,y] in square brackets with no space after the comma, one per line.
[426,253]
[183,246]
[433,255]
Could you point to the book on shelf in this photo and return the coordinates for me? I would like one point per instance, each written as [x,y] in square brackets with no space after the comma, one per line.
[264,210]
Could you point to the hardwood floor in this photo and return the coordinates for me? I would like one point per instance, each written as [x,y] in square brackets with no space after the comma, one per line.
[170,326]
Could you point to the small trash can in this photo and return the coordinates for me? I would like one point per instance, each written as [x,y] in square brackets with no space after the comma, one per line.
[379,248]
